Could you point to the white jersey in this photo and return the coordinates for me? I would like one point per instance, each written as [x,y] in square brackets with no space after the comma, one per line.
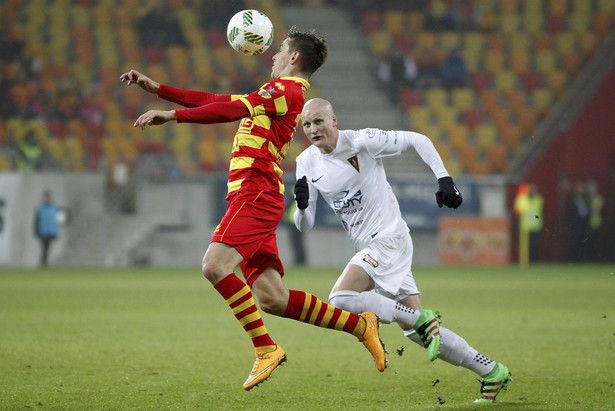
[353,182]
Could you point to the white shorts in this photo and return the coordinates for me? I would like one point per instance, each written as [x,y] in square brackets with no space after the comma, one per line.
[388,261]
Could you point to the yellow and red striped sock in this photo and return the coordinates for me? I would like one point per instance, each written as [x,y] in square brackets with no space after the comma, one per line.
[239,298]
[305,307]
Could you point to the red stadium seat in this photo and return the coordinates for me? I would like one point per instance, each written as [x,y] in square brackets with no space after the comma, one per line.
[602,23]
[370,20]
[531,80]
[556,23]
[480,80]
[409,97]
[473,117]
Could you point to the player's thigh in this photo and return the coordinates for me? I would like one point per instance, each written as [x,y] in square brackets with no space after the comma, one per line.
[353,278]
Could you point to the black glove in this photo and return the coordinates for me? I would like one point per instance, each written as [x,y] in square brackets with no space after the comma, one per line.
[302,193]
[448,194]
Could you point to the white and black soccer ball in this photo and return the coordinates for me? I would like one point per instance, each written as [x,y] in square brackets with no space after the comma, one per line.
[250,32]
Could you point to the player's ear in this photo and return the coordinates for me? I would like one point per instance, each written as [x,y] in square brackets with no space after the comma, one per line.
[295,57]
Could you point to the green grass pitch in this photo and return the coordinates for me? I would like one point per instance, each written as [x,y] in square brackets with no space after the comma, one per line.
[164,339]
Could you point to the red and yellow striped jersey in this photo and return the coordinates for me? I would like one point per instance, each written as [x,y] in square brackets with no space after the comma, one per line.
[262,139]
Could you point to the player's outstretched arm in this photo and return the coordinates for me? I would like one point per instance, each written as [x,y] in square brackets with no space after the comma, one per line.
[141,80]
[154,118]
[448,194]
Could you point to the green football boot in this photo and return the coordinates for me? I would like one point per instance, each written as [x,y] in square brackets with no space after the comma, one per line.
[493,383]
[428,328]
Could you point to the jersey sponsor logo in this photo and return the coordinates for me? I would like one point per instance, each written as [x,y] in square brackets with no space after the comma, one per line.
[347,226]
[353,201]
[356,224]
[316,179]
[244,127]
[354,161]
[371,260]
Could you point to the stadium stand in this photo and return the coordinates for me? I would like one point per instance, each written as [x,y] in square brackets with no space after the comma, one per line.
[521,56]
[60,66]
[61,60]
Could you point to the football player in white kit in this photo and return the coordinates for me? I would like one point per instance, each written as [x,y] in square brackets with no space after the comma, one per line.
[346,167]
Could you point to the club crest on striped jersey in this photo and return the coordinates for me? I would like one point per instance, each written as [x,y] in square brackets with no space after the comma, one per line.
[266,93]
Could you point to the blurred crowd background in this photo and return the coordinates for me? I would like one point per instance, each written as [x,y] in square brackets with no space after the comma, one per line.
[61,62]
[476,76]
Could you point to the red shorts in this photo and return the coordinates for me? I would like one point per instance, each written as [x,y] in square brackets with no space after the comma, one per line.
[249,226]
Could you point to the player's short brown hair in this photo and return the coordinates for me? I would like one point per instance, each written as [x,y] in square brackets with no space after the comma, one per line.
[311,46]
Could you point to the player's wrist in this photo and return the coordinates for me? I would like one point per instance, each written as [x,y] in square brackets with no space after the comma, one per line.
[445,180]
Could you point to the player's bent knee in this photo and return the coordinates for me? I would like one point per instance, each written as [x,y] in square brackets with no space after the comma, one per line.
[272,304]
[207,273]
[211,273]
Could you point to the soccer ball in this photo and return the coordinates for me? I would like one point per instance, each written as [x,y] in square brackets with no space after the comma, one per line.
[250,32]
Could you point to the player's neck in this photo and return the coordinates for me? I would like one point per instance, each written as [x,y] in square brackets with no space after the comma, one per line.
[329,148]
[291,71]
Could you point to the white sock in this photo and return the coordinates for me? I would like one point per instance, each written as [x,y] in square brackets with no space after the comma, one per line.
[386,309]
[455,350]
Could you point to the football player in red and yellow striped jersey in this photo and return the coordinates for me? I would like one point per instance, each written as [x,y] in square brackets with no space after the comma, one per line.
[246,236]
